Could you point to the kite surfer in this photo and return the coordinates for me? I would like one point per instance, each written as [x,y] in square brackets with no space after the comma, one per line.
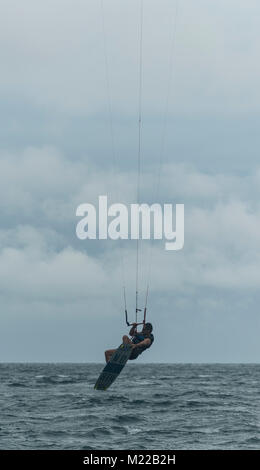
[139,341]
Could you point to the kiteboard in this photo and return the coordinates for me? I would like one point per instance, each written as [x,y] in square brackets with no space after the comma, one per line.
[113,367]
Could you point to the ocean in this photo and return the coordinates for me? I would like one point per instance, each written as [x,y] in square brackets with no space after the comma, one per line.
[149,406]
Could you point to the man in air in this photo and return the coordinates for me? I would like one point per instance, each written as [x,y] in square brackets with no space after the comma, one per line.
[139,342]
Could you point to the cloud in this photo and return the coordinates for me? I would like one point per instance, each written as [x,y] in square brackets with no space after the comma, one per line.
[43,258]
[58,55]
[56,154]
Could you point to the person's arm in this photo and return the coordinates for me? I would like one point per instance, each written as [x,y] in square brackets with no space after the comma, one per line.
[133,329]
[145,342]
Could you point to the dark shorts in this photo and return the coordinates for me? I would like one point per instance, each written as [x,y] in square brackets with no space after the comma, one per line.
[134,354]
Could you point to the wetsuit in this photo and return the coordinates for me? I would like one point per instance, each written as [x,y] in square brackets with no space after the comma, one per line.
[137,338]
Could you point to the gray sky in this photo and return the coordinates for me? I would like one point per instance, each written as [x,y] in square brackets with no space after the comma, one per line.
[61,298]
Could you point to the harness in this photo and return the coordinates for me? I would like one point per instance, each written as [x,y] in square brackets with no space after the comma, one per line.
[137,338]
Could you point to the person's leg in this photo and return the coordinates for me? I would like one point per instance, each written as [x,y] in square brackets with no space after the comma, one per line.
[109,353]
[126,340]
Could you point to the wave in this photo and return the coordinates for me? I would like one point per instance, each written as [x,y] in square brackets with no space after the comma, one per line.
[137,402]
[96,432]
[55,379]
[132,430]
[127,419]
[17,384]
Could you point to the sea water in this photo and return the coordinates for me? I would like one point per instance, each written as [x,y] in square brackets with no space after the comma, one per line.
[149,406]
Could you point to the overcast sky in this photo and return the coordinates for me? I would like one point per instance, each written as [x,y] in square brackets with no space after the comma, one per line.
[61,298]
